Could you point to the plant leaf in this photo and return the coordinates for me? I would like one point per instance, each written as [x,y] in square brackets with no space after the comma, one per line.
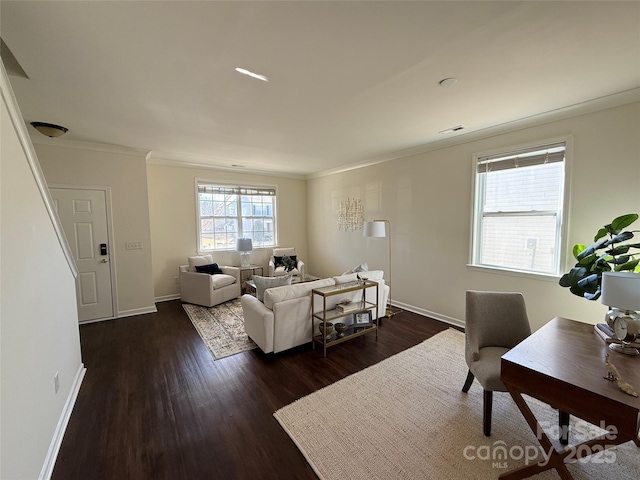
[621,237]
[631,265]
[601,233]
[622,222]
[621,260]
[577,249]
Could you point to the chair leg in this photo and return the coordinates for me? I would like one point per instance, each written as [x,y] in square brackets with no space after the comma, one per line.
[468,382]
[486,420]
[563,422]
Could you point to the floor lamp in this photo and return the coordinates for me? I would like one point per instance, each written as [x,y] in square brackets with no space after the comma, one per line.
[379,229]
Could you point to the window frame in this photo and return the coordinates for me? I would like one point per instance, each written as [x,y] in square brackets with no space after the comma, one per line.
[562,223]
[243,185]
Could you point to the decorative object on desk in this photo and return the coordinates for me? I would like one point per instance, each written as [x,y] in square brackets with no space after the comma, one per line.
[244,246]
[350,215]
[621,292]
[340,328]
[381,229]
[346,306]
[607,254]
[363,319]
[614,375]
[325,328]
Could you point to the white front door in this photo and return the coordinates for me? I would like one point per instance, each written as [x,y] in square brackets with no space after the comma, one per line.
[83,214]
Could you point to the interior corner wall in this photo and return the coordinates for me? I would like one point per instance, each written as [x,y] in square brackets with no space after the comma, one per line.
[125,174]
[427,198]
[38,318]
[172,206]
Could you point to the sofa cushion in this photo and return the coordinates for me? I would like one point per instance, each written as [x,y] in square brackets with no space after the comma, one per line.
[264,283]
[280,294]
[211,269]
[372,275]
[199,260]
[222,280]
[351,277]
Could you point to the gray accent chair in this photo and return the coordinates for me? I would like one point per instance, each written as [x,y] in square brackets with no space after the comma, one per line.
[495,323]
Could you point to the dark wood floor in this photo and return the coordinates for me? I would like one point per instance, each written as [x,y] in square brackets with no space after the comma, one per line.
[155,405]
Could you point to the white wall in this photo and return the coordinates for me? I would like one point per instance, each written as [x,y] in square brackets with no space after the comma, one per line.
[125,174]
[38,318]
[427,198]
[172,207]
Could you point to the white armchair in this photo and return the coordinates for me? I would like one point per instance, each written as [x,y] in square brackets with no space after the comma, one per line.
[205,289]
[276,269]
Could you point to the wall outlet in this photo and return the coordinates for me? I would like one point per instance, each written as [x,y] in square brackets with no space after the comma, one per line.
[56,382]
[176,279]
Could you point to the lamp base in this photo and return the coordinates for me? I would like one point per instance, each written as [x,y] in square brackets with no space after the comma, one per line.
[622,348]
[245,259]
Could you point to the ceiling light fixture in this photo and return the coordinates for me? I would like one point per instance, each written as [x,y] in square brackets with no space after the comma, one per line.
[49,129]
[457,128]
[251,74]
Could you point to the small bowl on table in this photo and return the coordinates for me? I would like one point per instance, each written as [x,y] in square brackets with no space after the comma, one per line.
[340,328]
[321,328]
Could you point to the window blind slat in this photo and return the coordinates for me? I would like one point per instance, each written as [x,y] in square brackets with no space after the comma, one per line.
[223,190]
[551,154]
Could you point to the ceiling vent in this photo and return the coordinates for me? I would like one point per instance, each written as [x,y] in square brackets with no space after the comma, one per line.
[453,129]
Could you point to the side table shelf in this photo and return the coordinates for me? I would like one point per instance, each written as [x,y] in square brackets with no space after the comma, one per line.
[332,314]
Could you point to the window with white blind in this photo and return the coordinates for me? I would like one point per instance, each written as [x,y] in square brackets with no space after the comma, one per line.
[519,206]
[226,213]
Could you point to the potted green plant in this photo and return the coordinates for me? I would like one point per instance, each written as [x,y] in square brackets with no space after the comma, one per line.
[612,251]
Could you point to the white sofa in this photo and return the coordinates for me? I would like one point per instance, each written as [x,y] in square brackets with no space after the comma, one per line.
[208,290]
[283,321]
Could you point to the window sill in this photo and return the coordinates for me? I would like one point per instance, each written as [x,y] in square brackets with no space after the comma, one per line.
[547,277]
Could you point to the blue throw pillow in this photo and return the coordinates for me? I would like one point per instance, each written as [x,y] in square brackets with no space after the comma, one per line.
[211,269]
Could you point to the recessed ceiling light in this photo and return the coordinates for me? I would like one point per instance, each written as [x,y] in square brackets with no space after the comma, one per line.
[251,74]
[448,82]
[457,128]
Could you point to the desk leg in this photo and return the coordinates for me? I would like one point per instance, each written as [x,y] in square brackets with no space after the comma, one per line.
[556,459]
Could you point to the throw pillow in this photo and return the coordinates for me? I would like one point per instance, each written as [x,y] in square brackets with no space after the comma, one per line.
[211,269]
[363,267]
[263,283]
[279,262]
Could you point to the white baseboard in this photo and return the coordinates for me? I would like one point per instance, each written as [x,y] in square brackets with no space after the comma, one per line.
[427,313]
[166,298]
[137,311]
[56,441]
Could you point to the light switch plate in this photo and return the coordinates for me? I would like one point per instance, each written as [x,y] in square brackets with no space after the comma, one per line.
[137,245]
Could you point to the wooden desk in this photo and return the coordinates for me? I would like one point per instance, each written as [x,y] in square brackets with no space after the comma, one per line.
[563,364]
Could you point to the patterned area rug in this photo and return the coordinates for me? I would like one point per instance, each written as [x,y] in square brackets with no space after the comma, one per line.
[406,418]
[221,328]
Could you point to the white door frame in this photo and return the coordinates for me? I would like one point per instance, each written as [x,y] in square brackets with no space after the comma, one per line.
[112,252]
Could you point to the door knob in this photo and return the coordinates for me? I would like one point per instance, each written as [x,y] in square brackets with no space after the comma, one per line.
[104,260]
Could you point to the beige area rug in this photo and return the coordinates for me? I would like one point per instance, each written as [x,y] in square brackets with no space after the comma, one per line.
[406,418]
[221,328]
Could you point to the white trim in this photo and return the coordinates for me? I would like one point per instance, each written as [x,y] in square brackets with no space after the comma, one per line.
[153,159]
[27,147]
[137,311]
[430,314]
[597,104]
[61,427]
[166,298]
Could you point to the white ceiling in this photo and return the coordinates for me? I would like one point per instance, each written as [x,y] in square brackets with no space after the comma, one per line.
[350,82]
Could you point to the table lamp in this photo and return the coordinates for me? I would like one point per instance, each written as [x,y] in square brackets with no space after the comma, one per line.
[621,293]
[244,246]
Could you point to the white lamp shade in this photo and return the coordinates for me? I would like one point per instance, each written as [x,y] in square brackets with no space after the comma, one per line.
[621,290]
[244,245]
[376,228]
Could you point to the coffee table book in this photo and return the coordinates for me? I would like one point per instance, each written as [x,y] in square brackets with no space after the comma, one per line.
[605,332]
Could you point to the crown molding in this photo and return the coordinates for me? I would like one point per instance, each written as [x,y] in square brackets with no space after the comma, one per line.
[601,103]
[98,147]
[155,158]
